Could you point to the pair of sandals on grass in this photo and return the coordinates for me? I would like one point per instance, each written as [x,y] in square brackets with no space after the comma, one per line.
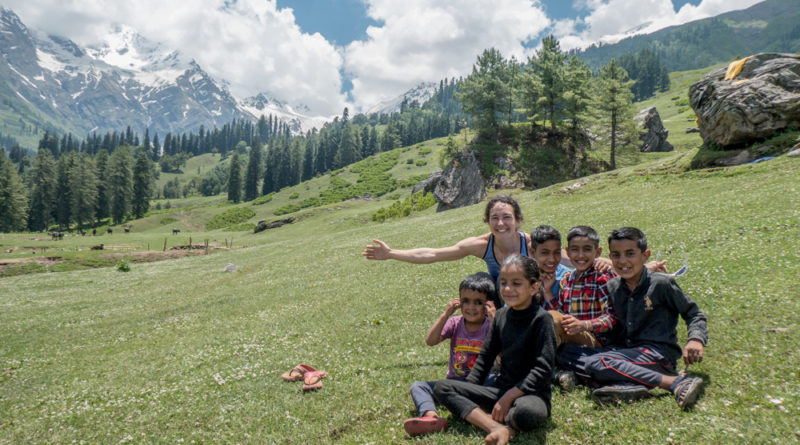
[312,378]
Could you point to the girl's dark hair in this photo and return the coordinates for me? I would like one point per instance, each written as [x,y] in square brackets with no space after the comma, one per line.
[530,269]
[480,282]
[505,199]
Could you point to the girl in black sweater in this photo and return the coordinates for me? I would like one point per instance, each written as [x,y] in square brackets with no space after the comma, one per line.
[523,332]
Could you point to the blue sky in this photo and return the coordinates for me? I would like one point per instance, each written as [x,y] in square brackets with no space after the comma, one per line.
[328,54]
[343,21]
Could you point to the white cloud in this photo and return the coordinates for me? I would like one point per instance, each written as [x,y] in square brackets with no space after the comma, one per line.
[252,44]
[427,40]
[610,20]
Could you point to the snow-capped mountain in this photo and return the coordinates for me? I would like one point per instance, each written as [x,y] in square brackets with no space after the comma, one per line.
[421,93]
[297,117]
[125,81]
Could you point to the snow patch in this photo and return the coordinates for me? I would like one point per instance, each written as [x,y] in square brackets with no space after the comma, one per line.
[48,61]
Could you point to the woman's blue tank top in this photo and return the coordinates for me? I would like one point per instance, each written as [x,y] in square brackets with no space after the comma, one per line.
[491,261]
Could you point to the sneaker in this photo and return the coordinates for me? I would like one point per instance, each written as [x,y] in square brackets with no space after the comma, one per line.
[418,426]
[567,380]
[688,390]
[613,394]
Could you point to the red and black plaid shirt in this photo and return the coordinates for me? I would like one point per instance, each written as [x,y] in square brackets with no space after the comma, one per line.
[584,296]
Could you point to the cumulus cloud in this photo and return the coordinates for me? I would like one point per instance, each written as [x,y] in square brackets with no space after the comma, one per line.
[251,44]
[427,40]
[612,20]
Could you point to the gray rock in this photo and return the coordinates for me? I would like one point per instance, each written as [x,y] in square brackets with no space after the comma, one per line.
[654,135]
[794,153]
[428,184]
[461,183]
[230,268]
[762,99]
[692,130]
[503,182]
[736,158]
[264,225]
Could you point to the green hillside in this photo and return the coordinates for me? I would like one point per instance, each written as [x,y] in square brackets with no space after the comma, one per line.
[181,351]
[768,26]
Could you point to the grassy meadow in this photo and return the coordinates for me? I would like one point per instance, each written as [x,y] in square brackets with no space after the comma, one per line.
[179,351]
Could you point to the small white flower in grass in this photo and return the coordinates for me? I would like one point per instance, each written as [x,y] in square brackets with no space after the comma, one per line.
[218,378]
[775,401]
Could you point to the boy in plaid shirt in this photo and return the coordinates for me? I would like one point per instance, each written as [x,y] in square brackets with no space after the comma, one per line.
[581,312]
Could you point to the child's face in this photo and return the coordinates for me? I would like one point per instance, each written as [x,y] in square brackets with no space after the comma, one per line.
[473,306]
[548,255]
[628,260]
[582,252]
[502,220]
[515,288]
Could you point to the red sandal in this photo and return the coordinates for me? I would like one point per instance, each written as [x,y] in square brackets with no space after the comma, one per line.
[313,380]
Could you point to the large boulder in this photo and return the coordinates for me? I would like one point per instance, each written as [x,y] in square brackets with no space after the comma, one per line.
[653,134]
[428,184]
[764,97]
[461,183]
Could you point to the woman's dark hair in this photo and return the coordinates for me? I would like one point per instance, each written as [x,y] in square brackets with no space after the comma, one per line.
[505,199]
[530,269]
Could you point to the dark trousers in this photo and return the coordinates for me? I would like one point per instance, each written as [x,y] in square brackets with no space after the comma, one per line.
[642,365]
[526,413]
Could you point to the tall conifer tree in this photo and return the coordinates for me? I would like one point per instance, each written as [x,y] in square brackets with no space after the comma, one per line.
[235,179]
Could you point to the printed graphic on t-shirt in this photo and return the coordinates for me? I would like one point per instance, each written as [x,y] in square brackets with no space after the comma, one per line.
[466,352]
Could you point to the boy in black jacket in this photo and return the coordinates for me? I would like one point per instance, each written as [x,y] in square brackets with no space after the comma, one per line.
[644,349]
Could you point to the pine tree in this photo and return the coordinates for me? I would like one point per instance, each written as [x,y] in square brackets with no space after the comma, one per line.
[83,190]
[142,185]
[614,102]
[63,190]
[253,170]
[43,191]
[235,179]
[486,92]
[348,151]
[577,99]
[102,205]
[13,202]
[119,184]
[549,64]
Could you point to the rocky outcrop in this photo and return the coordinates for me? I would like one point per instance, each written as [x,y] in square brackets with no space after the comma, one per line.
[428,184]
[653,134]
[264,225]
[461,183]
[736,109]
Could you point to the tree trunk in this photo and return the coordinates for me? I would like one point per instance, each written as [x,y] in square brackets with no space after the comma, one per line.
[613,165]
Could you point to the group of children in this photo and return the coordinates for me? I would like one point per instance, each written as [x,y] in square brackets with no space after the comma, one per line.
[614,331]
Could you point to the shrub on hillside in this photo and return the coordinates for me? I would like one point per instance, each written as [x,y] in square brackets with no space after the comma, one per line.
[262,199]
[421,163]
[168,220]
[288,208]
[230,217]
[294,195]
[415,203]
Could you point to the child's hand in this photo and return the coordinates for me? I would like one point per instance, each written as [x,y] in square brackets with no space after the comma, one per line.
[693,352]
[452,306]
[657,266]
[572,325]
[548,280]
[603,265]
[490,310]
[501,408]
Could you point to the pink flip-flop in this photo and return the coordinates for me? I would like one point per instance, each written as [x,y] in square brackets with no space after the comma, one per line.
[312,380]
[418,426]
[295,374]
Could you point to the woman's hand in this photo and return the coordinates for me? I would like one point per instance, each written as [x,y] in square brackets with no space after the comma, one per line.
[379,252]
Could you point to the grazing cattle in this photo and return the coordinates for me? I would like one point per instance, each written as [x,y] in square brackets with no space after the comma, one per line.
[94,232]
[100,247]
[83,233]
[109,231]
[176,231]
[127,230]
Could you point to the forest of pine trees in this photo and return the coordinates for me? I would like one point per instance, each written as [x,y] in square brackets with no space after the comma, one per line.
[73,184]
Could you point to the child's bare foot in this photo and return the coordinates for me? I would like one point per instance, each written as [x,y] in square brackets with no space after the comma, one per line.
[500,436]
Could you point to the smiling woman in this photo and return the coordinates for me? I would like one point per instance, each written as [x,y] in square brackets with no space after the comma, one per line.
[502,214]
